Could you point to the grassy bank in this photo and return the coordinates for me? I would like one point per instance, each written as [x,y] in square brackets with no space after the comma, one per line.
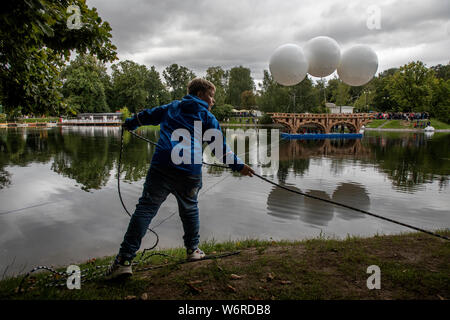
[413,266]
[401,124]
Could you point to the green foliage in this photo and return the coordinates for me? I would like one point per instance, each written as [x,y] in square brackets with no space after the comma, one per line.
[411,87]
[157,91]
[441,71]
[303,97]
[248,99]
[440,103]
[222,112]
[35,43]
[265,119]
[136,87]
[125,113]
[177,78]
[217,76]
[239,81]
[338,92]
[83,87]
[128,83]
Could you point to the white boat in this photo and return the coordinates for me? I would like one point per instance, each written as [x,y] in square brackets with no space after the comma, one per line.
[429,129]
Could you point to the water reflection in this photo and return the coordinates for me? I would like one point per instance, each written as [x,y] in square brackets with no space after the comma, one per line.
[354,195]
[89,155]
[290,206]
[86,154]
[284,204]
[409,160]
[316,212]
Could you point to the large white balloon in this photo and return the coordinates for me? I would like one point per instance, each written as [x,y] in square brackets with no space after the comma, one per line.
[288,65]
[323,55]
[358,65]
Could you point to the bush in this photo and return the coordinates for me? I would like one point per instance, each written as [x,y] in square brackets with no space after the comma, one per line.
[442,113]
[222,112]
[265,119]
[2,117]
[125,113]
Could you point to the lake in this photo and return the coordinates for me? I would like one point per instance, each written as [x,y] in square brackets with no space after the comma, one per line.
[59,202]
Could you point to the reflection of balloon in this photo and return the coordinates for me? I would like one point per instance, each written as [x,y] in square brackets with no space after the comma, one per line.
[288,65]
[351,194]
[323,55]
[284,204]
[316,212]
[358,65]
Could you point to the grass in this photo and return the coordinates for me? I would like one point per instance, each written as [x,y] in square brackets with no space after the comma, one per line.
[40,120]
[376,123]
[439,124]
[413,266]
[242,120]
[402,124]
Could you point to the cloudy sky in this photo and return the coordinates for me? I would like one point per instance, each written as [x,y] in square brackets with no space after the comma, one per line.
[202,33]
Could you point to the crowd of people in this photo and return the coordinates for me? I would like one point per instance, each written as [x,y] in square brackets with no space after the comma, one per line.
[408,116]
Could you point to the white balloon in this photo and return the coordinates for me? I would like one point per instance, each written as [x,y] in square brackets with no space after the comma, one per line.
[323,55]
[358,65]
[288,65]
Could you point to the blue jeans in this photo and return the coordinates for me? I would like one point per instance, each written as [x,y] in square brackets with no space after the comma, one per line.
[158,184]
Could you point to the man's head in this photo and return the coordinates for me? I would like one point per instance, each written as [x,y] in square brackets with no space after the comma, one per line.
[203,89]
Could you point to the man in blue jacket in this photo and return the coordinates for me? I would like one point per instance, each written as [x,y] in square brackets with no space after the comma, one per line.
[165,176]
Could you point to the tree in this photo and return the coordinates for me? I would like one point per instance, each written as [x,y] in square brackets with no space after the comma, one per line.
[157,92]
[273,97]
[304,97]
[248,99]
[411,87]
[338,92]
[177,78]
[218,77]
[239,81]
[382,99]
[441,71]
[129,81]
[35,43]
[83,87]
[440,103]
[222,112]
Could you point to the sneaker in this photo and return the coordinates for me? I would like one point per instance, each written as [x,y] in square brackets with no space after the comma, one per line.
[119,269]
[195,254]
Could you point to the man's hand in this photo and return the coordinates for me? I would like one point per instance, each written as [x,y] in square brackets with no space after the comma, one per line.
[247,171]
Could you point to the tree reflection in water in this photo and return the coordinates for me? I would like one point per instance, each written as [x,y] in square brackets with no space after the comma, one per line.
[89,155]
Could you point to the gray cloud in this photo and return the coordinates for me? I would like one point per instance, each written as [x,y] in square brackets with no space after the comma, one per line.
[201,33]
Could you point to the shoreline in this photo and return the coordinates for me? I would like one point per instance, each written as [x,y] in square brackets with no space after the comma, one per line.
[405,130]
[51,125]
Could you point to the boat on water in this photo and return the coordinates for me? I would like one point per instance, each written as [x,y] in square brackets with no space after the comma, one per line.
[321,135]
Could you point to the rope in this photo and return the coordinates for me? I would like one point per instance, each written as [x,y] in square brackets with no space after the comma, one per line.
[120,194]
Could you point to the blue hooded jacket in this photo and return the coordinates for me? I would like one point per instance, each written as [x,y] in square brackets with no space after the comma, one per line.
[182,115]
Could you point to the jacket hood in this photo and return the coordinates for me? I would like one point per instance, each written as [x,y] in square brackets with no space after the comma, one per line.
[192,104]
